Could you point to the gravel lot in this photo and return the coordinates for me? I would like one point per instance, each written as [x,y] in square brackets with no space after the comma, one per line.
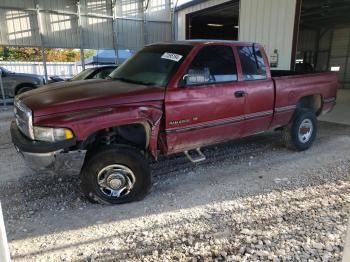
[252,200]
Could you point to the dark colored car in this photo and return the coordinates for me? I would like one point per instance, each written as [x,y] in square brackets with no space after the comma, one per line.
[90,73]
[18,83]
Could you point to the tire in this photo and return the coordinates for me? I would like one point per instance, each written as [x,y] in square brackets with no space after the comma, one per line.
[296,135]
[24,89]
[115,168]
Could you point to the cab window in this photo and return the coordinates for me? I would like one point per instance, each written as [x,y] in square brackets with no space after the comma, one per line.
[213,64]
[253,64]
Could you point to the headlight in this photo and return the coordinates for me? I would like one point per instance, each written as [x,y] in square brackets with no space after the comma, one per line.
[52,134]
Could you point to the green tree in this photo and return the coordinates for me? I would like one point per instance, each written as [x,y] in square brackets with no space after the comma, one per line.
[34,54]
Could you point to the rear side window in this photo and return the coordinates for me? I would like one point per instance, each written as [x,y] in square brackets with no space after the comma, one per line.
[253,65]
[213,64]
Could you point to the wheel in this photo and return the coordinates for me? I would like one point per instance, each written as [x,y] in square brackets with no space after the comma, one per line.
[115,175]
[301,133]
[24,89]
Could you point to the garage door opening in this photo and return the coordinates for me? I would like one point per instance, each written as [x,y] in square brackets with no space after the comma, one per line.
[218,22]
[324,38]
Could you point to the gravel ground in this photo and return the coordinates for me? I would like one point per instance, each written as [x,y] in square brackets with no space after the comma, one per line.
[251,200]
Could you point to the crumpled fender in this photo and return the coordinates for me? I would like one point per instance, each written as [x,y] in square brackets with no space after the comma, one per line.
[88,122]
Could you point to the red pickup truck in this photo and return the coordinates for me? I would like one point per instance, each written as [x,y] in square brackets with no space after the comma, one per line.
[168,98]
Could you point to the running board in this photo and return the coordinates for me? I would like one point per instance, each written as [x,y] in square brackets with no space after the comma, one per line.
[199,158]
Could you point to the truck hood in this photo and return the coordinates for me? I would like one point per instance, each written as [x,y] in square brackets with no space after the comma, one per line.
[81,95]
[25,74]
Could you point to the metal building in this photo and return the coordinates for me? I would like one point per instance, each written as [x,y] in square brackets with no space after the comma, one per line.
[272,23]
[84,24]
[324,39]
[130,24]
[312,32]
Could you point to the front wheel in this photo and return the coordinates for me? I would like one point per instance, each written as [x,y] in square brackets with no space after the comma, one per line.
[301,133]
[115,175]
[24,89]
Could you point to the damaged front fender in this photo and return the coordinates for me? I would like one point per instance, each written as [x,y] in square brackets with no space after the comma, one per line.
[88,122]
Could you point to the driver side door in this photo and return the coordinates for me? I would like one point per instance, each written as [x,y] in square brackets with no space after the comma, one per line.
[208,105]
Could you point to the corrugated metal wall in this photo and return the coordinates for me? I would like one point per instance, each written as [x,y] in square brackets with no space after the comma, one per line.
[136,28]
[18,27]
[270,22]
[339,56]
[158,21]
[60,26]
[130,24]
[97,24]
[324,46]
[307,40]
[332,50]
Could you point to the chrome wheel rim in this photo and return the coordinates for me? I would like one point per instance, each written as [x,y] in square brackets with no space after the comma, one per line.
[305,130]
[116,181]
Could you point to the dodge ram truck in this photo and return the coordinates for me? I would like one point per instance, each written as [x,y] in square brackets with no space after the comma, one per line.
[169,98]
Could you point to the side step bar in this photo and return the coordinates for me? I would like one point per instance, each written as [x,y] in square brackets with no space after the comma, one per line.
[195,159]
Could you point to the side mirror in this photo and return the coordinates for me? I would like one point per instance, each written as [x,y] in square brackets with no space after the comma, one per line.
[196,76]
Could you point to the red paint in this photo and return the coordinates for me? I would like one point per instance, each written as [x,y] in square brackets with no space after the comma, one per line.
[212,113]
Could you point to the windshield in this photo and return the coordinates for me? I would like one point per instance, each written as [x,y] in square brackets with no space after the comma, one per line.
[153,65]
[83,74]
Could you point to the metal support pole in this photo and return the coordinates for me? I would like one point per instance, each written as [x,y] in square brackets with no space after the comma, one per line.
[115,32]
[2,89]
[82,58]
[43,54]
[174,21]
[4,248]
[295,33]
[330,49]
[144,25]
[315,58]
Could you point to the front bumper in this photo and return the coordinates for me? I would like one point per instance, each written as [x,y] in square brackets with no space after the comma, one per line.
[47,156]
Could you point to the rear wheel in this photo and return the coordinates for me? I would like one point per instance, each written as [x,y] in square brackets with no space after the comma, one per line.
[301,133]
[115,175]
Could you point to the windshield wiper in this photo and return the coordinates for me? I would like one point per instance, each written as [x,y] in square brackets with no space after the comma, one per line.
[132,81]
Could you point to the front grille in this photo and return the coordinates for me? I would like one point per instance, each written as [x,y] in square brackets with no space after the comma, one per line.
[23,118]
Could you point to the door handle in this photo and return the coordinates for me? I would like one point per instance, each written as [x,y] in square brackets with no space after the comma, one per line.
[239,93]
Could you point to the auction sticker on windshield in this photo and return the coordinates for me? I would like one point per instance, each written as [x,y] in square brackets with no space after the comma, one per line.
[171,56]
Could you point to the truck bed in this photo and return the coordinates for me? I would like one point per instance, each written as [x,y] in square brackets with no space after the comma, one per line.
[291,87]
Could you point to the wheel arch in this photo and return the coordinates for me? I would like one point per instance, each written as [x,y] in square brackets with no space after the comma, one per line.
[21,85]
[137,134]
[312,102]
